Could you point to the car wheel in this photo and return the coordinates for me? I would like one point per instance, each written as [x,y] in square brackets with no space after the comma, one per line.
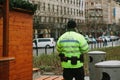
[47,46]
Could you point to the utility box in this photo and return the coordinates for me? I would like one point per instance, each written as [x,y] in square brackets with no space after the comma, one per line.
[109,70]
[95,57]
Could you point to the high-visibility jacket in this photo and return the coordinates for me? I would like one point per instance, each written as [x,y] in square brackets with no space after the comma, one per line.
[71,44]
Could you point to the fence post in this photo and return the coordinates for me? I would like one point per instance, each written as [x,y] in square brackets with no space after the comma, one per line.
[45,50]
[53,49]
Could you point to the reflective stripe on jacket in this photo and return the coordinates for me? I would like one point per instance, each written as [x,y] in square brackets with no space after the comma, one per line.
[72,44]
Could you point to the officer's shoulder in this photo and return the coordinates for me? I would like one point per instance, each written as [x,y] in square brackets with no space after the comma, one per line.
[77,33]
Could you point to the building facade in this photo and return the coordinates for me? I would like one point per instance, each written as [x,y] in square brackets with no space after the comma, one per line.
[116,13]
[92,16]
[52,16]
[101,15]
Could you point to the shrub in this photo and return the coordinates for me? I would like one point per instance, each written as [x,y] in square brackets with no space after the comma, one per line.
[112,53]
[52,62]
[47,62]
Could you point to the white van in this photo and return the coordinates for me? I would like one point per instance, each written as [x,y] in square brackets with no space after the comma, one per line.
[44,42]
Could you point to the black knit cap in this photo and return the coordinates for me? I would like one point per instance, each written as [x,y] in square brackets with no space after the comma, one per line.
[71,24]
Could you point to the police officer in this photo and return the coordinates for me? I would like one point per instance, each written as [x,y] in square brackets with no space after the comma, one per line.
[71,47]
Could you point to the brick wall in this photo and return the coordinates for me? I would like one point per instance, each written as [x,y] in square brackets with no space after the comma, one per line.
[20,47]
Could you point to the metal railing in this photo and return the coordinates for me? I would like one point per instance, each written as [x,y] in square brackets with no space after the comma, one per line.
[104,44]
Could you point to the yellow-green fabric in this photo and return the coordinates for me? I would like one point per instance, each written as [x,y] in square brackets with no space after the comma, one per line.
[72,44]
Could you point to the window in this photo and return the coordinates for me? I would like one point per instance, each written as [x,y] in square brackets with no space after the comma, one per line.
[43,6]
[39,18]
[47,19]
[68,10]
[42,19]
[64,10]
[71,1]
[74,11]
[39,5]
[61,10]
[53,8]
[92,3]
[74,2]
[57,8]
[67,1]
[43,40]
[48,7]
[71,11]
[77,12]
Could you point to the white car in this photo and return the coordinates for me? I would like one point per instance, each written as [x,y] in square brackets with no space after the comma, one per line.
[90,39]
[44,42]
[104,37]
[114,38]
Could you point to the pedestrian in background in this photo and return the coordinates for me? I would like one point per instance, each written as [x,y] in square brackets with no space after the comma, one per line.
[71,47]
[104,42]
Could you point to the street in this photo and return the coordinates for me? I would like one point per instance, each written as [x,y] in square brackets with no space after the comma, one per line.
[43,51]
[92,46]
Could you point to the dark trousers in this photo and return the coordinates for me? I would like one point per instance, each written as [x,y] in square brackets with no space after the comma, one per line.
[70,73]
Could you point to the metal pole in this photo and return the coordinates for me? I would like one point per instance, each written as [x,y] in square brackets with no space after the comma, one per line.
[45,50]
[6,28]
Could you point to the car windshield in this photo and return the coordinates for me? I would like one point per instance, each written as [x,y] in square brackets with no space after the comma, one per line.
[43,40]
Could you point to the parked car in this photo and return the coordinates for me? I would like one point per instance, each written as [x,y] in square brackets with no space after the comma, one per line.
[99,39]
[90,39]
[93,40]
[113,38]
[44,42]
[102,38]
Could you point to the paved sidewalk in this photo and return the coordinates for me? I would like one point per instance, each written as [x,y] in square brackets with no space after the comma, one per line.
[54,77]
[48,75]
[86,78]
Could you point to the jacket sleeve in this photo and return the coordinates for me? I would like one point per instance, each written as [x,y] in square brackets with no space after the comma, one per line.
[84,47]
[58,46]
